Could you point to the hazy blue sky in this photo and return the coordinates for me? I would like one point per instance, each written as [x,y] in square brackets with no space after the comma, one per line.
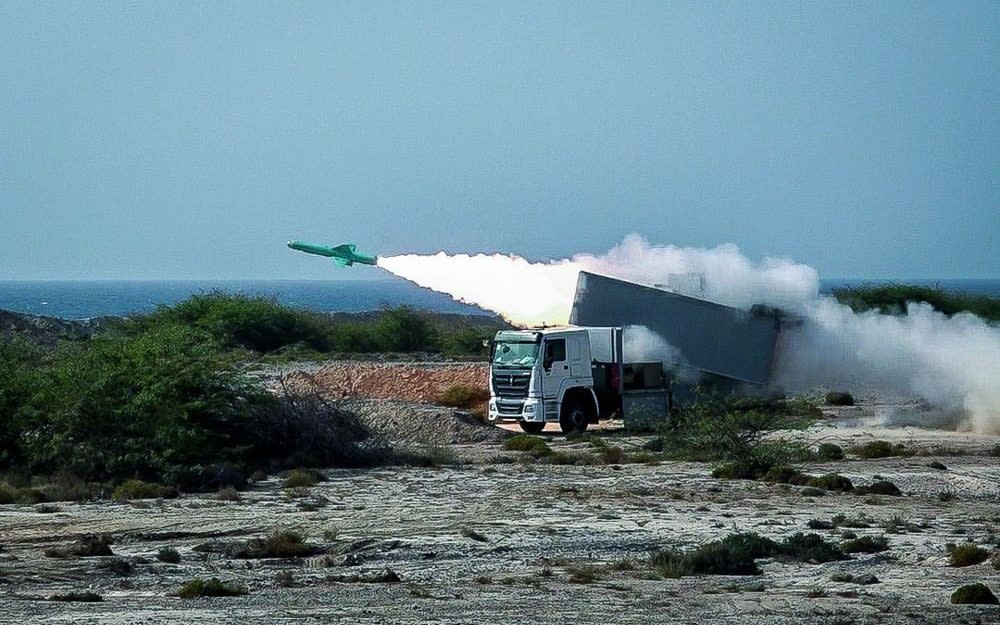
[191,139]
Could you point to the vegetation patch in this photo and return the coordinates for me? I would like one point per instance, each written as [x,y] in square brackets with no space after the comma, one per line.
[865,544]
[880,449]
[464,396]
[839,398]
[857,521]
[88,546]
[529,444]
[880,487]
[968,554]
[279,544]
[832,481]
[583,574]
[137,489]
[737,432]
[302,478]
[213,587]
[168,555]
[830,451]
[974,594]
[85,596]
[737,554]
[786,475]
[893,299]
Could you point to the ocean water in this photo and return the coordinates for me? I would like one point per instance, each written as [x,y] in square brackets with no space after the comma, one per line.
[80,299]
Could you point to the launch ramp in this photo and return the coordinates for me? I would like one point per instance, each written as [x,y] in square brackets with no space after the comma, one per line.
[712,338]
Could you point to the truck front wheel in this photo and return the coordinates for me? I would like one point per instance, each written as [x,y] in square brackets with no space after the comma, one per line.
[574,417]
[532,427]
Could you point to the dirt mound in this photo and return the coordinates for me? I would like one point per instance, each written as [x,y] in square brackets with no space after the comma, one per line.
[414,382]
[401,422]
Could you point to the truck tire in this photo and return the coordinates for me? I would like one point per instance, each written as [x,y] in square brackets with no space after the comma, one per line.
[574,417]
[532,427]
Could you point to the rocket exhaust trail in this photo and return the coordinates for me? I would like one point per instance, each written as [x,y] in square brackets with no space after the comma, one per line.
[951,361]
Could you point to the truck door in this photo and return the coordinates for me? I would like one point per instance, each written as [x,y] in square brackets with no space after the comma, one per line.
[554,367]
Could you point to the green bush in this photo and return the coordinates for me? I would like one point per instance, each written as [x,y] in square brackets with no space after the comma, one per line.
[168,555]
[137,489]
[734,431]
[198,587]
[865,544]
[464,396]
[830,451]
[85,596]
[832,481]
[252,322]
[810,548]
[892,299]
[530,444]
[302,478]
[974,594]
[968,555]
[879,449]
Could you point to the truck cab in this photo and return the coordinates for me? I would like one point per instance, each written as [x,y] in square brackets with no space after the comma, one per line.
[546,376]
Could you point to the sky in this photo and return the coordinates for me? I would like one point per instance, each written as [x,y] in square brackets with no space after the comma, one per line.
[190,140]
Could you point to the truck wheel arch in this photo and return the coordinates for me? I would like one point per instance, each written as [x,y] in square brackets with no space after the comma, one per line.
[588,396]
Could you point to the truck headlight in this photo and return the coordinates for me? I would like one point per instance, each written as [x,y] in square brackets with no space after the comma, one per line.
[493,407]
[529,408]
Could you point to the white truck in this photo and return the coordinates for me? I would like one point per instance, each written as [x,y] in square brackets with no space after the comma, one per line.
[572,376]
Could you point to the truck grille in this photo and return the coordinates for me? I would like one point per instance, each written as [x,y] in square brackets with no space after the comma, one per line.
[511,383]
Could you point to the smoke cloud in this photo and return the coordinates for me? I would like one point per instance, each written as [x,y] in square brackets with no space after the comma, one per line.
[953,362]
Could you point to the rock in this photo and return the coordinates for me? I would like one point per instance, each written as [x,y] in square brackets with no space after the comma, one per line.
[937,465]
[866,580]
[810,491]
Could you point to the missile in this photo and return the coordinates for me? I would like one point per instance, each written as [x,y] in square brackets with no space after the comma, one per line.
[344,254]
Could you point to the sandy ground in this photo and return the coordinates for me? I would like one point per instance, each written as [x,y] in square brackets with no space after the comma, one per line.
[495,542]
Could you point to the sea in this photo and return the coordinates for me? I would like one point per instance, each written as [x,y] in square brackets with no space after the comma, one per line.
[86,299]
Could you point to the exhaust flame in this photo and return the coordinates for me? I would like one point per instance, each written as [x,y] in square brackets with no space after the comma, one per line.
[953,362]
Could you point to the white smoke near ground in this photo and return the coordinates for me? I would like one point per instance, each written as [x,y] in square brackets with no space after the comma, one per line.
[640,344]
[951,361]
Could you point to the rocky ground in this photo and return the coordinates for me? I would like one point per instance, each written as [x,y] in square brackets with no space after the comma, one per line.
[489,540]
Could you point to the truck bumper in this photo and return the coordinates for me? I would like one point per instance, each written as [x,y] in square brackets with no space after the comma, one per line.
[530,409]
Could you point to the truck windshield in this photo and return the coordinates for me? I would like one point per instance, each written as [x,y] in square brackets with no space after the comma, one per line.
[515,354]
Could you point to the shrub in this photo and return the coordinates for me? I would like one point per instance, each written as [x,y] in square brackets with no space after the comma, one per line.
[252,322]
[832,481]
[137,489]
[892,299]
[879,449]
[280,544]
[583,574]
[937,465]
[530,444]
[228,494]
[830,451]
[839,398]
[85,596]
[977,594]
[733,555]
[302,478]
[468,532]
[810,548]
[168,555]
[881,487]
[198,587]
[85,547]
[464,396]
[967,555]
[865,544]
[856,522]
[785,475]
[818,524]
[284,579]
[735,431]
[613,455]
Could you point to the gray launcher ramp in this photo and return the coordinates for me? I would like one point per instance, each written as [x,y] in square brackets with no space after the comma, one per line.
[713,338]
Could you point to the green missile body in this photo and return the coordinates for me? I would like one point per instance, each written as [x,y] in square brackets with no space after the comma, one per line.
[344,254]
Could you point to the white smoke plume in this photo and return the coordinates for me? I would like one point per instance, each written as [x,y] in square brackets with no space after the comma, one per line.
[953,362]
[541,293]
